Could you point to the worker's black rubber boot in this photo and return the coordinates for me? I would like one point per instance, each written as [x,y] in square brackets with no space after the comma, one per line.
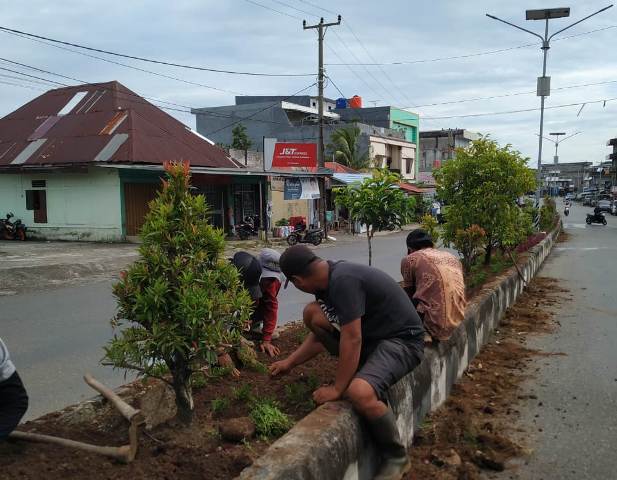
[395,461]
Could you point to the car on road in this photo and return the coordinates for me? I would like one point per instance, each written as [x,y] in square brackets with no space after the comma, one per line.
[614,207]
[569,197]
[604,205]
[588,200]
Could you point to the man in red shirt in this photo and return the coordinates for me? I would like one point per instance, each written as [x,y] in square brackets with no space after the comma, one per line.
[266,311]
[262,279]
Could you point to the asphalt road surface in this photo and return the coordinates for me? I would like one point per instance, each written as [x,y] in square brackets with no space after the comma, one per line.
[572,425]
[55,336]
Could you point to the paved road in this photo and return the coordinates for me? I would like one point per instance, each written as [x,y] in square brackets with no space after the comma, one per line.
[572,425]
[55,336]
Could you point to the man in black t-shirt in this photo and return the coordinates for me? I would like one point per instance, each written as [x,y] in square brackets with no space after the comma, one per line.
[365,318]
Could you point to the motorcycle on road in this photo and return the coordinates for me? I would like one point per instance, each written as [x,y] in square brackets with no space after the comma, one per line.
[301,234]
[595,218]
[12,230]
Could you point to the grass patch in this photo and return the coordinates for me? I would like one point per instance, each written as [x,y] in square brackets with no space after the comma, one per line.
[198,380]
[243,393]
[269,420]
[219,405]
[299,394]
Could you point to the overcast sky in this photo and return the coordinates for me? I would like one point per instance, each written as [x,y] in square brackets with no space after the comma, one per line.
[240,35]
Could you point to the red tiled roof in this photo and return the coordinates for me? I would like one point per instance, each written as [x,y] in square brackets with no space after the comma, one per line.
[412,188]
[108,123]
[339,167]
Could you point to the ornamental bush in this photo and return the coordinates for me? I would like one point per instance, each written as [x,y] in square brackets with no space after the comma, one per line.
[181,302]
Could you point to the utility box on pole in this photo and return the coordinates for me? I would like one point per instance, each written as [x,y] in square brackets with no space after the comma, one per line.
[544,87]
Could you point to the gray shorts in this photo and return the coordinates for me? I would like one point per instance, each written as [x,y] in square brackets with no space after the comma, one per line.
[385,362]
[388,361]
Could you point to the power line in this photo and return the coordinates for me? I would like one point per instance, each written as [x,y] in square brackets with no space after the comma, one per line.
[273,9]
[467,115]
[132,67]
[469,55]
[160,62]
[335,86]
[262,110]
[30,87]
[473,99]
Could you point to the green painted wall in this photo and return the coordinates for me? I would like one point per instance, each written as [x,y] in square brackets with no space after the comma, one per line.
[410,123]
[82,205]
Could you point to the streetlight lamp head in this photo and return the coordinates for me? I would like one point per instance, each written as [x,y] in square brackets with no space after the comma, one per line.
[557,133]
[545,13]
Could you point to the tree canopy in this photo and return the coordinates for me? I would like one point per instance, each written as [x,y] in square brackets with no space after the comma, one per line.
[378,203]
[239,138]
[480,186]
[345,146]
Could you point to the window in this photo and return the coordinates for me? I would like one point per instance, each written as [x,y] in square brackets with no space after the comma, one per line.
[36,200]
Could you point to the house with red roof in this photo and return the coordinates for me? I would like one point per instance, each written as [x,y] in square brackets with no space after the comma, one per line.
[82,163]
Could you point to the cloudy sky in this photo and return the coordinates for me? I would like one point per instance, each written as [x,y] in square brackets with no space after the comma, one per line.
[267,36]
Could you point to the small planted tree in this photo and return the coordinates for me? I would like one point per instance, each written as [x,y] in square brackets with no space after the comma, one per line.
[377,203]
[480,187]
[345,147]
[240,140]
[430,224]
[468,242]
[181,302]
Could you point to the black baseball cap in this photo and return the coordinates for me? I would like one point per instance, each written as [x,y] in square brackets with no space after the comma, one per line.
[250,271]
[418,239]
[295,260]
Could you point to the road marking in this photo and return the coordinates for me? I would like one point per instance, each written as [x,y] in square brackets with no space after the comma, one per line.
[585,249]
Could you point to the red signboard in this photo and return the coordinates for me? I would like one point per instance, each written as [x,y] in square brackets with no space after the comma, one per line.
[288,155]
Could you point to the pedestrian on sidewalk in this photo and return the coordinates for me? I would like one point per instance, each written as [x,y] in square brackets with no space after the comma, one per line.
[13,397]
[362,316]
[262,278]
[434,281]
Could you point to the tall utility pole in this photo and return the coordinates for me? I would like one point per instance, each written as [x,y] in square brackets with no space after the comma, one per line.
[544,82]
[321,30]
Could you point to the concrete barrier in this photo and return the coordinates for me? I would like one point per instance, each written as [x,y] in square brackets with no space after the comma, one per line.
[332,443]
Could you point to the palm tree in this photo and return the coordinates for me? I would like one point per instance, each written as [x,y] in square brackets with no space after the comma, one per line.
[345,146]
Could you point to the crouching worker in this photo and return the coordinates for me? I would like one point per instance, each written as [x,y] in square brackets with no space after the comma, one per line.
[364,317]
[434,281]
[262,278]
[13,397]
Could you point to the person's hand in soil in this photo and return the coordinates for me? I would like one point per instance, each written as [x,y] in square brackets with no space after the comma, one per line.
[280,368]
[326,394]
[269,348]
[225,360]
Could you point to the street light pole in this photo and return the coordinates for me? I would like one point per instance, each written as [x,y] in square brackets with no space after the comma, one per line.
[544,82]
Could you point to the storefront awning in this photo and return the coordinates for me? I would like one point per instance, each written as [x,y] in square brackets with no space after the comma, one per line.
[350,178]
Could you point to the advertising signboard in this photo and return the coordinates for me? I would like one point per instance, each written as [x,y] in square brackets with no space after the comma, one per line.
[301,188]
[287,155]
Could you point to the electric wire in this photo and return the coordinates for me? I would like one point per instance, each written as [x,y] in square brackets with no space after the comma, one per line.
[132,67]
[476,54]
[159,62]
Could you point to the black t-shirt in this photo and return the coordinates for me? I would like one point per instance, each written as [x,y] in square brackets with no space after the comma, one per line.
[359,291]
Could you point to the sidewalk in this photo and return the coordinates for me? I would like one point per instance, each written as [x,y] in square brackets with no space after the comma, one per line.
[30,266]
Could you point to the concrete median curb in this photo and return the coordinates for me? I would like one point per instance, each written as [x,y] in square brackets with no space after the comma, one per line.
[331,443]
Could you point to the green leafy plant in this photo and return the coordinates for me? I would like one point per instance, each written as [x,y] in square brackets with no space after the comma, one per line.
[181,302]
[377,203]
[283,222]
[430,224]
[198,380]
[480,186]
[345,147]
[243,393]
[269,420]
[239,138]
[219,405]
[468,242]
[548,214]
[299,394]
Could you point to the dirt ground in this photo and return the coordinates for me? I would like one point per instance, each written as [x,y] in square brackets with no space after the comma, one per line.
[167,452]
[472,434]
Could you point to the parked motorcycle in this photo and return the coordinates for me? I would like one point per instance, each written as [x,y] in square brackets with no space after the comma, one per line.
[248,228]
[12,230]
[595,218]
[301,234]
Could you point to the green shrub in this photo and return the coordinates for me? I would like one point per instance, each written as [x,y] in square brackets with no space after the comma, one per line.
[548,214]
[243,393]
[469,242]
[431,225]
[269,420]
[219,405]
